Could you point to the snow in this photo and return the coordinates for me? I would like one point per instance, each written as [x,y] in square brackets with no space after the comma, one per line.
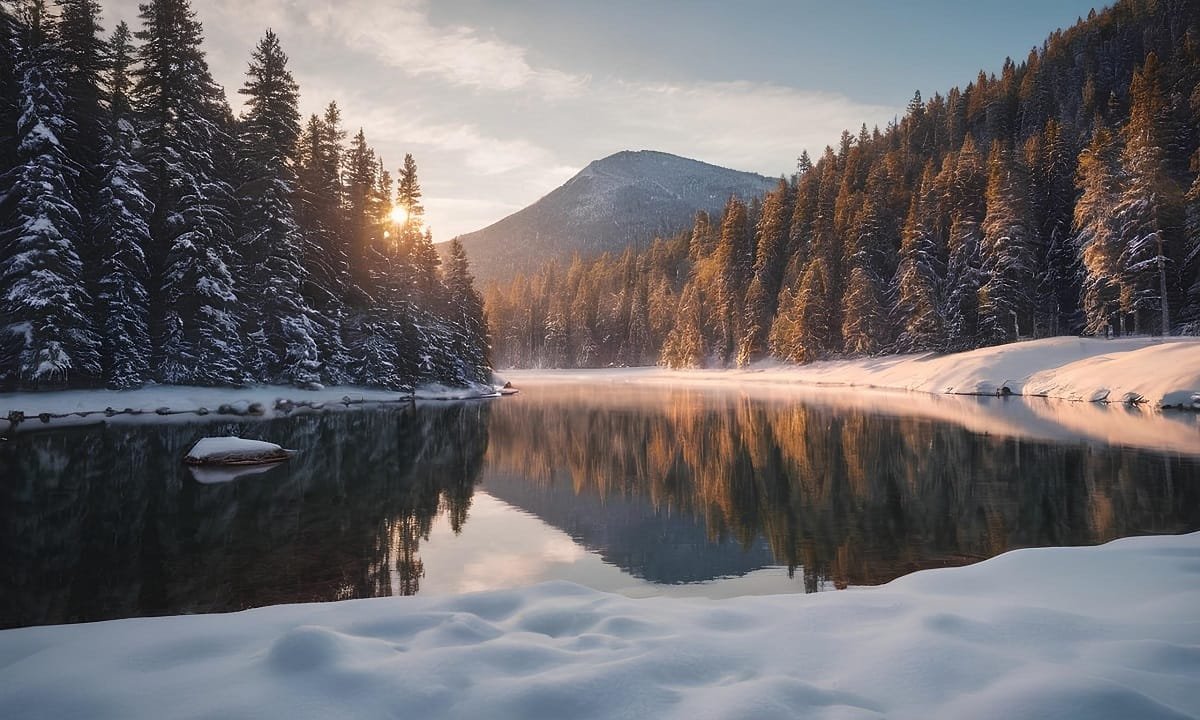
[1161,372]
[73,406]
[1108,632]
[231,450]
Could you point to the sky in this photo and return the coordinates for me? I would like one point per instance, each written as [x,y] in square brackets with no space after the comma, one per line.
[501,102]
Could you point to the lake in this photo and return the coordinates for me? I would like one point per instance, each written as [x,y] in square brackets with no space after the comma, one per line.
[632,489]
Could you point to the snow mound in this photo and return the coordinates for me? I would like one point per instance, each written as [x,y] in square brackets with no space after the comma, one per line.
[234,451]
[1164,372]
[1108,632]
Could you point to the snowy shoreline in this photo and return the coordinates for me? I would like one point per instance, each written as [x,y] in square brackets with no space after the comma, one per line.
[1097,632]
[1163,373]
[160,402]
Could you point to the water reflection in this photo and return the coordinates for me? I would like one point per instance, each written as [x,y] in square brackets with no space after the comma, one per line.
[99,523]
[839,494]
[649,488]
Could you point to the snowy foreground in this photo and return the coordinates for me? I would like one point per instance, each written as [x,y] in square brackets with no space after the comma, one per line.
[1104,632]
[1158,372]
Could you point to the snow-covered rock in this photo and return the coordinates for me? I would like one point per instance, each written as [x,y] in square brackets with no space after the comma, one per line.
[1104,633]
[234,451]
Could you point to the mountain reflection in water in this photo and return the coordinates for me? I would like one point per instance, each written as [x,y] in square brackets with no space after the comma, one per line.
[658,487]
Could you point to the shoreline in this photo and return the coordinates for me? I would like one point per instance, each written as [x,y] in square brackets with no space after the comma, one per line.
[1160,372]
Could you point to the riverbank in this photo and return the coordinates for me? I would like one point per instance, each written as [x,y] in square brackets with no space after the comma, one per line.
[66,407]
[1163,373]
[1100,632]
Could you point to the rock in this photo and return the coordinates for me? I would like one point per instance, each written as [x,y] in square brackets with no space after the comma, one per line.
[257,409]
[234,451]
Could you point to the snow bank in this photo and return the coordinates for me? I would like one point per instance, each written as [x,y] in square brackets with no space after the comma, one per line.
[1109,632]
[1162,372]
[163,401]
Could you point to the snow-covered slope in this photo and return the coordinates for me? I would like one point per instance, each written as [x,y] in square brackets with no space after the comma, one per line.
[1156,371]
[621,200]
[1104,633]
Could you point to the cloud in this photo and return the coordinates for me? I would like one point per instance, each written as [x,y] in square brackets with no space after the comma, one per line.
[491,127]
[401,34]
[745,125]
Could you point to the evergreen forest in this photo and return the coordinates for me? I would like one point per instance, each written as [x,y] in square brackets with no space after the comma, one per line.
[1060,196]
[149,235]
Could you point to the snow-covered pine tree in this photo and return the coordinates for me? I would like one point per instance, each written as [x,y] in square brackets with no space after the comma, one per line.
[922,251]
[1050,156]
[181,112]
[278,324]
[122,220]
[868,249]
[466,313]
[1008,253]
[1191,265]
[960,303]
[45,311]
[1095,238]
[1148,211]
[319,212]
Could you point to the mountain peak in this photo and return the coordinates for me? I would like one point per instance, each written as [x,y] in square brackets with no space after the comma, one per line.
[624,199]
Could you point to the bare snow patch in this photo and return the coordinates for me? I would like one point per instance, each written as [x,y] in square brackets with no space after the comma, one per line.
[1107,632]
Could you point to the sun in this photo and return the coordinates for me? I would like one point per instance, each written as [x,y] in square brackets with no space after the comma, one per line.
[399,215]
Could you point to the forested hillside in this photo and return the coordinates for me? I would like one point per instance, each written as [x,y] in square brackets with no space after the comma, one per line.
[616,202]
[1059,196]
[148,234]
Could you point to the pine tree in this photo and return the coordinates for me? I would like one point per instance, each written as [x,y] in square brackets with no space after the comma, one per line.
[279,325]
[1051,158]
[45,311]
[319,213]
[1147,211]
[963,274]
[917,312]
[123,220]
[1008,253]
[194,306]
[1095,233]
[770,262]
[734,256]
[684,346]
[467,313]
[869,244]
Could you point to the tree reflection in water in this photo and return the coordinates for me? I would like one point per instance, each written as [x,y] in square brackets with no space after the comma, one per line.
[668,485]
[107,522]
[845,496]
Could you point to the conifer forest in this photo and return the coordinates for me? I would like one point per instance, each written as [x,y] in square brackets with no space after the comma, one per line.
[147,234]
[1058,197]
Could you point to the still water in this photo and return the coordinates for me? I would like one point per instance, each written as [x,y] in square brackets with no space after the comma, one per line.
[644,491]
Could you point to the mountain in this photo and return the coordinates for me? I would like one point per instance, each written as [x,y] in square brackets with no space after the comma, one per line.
[624,199]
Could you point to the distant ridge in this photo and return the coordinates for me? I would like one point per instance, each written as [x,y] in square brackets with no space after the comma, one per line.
[622,200]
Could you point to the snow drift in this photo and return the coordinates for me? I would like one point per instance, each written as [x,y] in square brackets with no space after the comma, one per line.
[1158,371]
[1103,632]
